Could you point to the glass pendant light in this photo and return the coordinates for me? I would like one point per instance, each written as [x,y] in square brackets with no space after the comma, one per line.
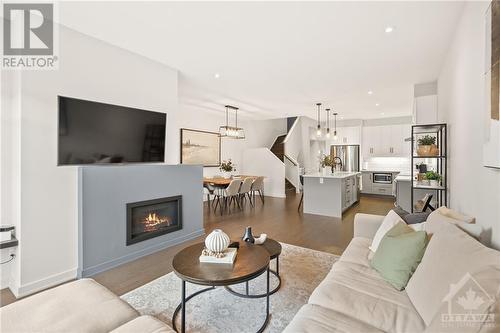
[318,131]
[335,126]
[327,123]
[233,132]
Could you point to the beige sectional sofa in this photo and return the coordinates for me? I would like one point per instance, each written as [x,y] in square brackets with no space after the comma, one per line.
[352,298]
[355,298]
[79,306]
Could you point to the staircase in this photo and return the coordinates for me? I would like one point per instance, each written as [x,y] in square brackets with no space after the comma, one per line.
[289,188]
[278,147]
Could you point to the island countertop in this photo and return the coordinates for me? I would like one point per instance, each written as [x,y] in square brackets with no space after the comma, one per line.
[336,175]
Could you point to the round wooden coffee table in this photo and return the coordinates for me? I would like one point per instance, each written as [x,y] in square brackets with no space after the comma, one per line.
[274,249]
[251,261]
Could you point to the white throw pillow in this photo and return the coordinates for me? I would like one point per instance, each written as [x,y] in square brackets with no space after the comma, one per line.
[418,226]
[390,220]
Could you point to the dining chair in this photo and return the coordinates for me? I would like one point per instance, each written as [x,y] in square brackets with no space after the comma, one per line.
[245,189]
[230,194]
[258,186]
[210,191]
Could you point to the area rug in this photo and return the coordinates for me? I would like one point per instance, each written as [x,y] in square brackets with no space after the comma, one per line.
[301,271]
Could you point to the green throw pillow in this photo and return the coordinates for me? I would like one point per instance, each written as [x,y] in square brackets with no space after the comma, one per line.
[399,253]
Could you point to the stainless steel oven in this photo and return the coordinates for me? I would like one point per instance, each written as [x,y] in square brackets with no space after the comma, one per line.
[382,178]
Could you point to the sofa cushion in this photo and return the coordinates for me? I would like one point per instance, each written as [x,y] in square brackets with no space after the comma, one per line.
[316,319]
[483,288]
[450,255]
[443,214]
[443,210]
[357,252]
[399,254]
[366,225]
[390,220]
[79,306]
[360,292]
[144,324]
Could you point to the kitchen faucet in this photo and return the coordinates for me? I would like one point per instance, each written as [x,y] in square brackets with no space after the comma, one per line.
[335,163]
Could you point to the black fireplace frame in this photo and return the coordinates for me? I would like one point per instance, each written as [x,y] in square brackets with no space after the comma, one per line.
[153,234]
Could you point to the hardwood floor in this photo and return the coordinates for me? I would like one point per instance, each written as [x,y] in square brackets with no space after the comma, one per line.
[278,218]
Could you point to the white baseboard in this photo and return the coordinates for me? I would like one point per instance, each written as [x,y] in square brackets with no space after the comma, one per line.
[51,281]
[275,195]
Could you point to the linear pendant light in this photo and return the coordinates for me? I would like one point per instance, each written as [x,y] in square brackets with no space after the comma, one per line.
[327,123]
[335,124]
[318,131]
[232,132]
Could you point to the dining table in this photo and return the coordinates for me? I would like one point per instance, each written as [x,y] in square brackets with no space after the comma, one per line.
[224,182]
[219,184]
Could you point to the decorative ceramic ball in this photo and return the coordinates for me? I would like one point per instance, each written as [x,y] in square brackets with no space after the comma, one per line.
[217,241]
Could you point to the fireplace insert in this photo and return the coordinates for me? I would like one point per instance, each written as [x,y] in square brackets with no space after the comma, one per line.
[153,218]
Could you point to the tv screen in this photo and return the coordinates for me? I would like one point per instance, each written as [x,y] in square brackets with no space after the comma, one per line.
[99,133]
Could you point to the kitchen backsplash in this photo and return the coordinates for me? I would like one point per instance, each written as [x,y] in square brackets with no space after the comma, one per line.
[401,164]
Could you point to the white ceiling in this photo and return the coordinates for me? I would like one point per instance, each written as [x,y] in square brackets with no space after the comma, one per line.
[279,58]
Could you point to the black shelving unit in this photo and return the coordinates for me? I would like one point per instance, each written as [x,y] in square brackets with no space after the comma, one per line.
[441,134]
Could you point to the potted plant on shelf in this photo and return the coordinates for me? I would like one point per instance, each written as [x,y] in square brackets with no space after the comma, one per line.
[433,177]
[227,167]
[427,146]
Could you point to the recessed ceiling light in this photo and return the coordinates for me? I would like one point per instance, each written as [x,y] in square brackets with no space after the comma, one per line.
[341,118]
[389,29]
[216,75]
[370,92]
[377,104]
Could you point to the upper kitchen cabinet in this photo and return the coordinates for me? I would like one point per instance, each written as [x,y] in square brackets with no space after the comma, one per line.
[348,136]
[387,140]
[371,141]
[399,147]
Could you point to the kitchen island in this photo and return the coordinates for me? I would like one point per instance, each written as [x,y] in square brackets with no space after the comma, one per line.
[330,194]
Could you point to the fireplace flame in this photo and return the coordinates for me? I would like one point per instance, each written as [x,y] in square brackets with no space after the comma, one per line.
[152,221]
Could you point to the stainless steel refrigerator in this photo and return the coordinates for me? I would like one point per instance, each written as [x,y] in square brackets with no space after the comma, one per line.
[348,154]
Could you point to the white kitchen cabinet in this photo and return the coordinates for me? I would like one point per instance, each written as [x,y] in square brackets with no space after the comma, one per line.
[369,187]
[398,146]
[366,181]
[382,189]
[349,191]
[370,142]
[386,141]
[425,109]
[347,136]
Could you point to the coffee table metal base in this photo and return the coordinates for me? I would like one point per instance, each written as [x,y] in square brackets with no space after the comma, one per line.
[182,306]
[248,295]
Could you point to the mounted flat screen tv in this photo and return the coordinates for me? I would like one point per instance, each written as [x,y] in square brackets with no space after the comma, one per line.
[99,133]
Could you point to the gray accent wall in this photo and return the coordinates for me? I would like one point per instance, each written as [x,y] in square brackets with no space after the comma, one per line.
[104,192]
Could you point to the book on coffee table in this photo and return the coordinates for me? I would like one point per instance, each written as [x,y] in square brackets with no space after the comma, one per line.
[230,256]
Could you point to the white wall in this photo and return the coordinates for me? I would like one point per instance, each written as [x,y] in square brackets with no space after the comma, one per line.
[474,189]
[262,162]
[258,133]
[88,69]
[263,133]
[294,140]
[199,119]
[10,169]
